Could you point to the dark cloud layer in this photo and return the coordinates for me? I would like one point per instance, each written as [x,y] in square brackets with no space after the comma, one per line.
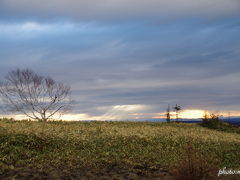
[117,9]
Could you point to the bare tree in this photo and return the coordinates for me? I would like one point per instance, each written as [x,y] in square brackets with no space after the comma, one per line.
[177,109]
[38,97]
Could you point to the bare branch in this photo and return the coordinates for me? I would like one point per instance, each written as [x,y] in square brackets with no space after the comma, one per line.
[36,96]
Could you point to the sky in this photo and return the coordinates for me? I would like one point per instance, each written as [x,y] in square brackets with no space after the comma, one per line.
[129,59]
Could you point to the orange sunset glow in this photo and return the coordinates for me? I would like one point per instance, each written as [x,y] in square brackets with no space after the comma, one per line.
[192,114]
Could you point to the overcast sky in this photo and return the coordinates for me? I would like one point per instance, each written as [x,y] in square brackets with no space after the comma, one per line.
[128,59]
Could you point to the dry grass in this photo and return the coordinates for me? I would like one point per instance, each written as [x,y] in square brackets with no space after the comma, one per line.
[195,165]
[150,146]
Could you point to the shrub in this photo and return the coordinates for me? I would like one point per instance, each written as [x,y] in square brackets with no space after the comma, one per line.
[194,165]
[214,122]
[211,121]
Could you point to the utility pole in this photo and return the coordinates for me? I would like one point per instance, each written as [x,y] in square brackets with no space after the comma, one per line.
[177,108]
[168,116]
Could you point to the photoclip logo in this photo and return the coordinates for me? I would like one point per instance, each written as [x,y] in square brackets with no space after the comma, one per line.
[226,171]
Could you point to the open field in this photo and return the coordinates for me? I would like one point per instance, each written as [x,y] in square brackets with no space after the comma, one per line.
[107,150]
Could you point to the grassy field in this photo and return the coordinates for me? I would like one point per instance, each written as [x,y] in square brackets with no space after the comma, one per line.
[107,150]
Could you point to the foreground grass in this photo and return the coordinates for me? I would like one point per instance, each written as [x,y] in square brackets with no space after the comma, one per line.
[92,145]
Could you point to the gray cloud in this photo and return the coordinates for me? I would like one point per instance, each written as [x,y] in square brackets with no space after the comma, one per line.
[118,9]
[193,63]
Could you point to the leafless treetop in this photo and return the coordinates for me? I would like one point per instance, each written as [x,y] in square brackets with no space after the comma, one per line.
[36,96]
